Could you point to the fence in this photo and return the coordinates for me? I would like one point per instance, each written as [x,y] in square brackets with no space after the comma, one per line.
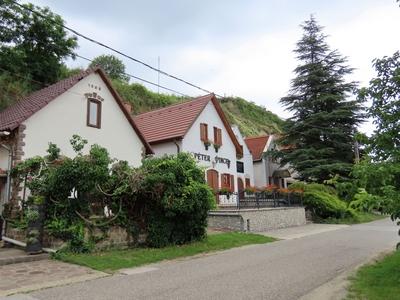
[259,200]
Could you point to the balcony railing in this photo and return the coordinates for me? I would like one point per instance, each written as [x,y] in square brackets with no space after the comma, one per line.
[259,200]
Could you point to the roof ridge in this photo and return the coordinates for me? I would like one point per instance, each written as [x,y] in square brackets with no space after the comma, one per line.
[173,105]
[257,137]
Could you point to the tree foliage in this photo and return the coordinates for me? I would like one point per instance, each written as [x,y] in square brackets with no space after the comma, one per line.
[319,136]
[167,198]
[113,66]
[384,92]
[31,45]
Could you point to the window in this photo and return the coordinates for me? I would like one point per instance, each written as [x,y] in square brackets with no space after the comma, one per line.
[204,132]
[93,113]
[247,182]
[217,136]
[227,181]
[239,167]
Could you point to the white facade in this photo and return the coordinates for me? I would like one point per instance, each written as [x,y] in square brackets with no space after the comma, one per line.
[67,115]
[247,158]
[223,161]
[192,143]
[265,168]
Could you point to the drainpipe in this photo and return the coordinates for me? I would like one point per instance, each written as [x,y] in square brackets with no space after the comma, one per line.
[178,149]
[8,187]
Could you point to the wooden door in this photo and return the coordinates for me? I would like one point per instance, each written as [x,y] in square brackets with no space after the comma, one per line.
[240,188]
[213,181]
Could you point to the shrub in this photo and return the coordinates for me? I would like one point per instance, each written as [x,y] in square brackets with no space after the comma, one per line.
[363,201]
[322,200]
[324,205]
[178,200]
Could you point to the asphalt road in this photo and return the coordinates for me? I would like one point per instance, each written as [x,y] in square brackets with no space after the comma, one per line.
[285,269]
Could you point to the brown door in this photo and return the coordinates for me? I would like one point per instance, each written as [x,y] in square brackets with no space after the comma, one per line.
[240,188]
[213,181]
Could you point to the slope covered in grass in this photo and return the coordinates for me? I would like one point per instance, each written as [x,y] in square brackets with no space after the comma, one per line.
[251,118]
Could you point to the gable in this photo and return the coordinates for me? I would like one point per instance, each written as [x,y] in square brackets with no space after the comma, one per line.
[27,107]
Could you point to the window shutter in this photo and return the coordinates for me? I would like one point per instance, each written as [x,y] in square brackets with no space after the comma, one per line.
[203,132]
[217,136]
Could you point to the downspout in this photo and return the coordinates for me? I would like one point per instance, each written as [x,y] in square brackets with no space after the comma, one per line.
[178,148]
[8,187]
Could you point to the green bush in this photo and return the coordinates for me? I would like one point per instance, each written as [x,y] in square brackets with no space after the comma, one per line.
[363,201]
[324,205]
[178,200]
[322,200]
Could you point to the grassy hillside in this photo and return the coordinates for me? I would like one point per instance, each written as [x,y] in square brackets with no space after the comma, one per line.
[251,118]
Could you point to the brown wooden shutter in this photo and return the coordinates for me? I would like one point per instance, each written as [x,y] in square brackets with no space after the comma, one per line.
[232,183]
[219,135]
[204,132]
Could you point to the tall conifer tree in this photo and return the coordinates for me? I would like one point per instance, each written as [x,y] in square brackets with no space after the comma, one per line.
[319,137]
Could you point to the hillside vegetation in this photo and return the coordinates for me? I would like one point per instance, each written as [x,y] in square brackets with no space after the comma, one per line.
[251,118]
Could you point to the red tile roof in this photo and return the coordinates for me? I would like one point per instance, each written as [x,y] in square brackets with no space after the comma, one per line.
[13,116]
[256,146]
[172,122]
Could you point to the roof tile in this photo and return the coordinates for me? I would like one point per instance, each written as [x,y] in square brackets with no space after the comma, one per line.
[256,146]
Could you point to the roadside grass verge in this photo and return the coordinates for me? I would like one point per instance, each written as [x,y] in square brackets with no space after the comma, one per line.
[112,260]
[378,281]
[361,217]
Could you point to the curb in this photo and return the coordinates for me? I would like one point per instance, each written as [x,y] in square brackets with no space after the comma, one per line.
[35,287]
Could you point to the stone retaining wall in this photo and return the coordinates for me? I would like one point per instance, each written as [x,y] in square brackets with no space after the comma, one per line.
[257,220]
[116,237]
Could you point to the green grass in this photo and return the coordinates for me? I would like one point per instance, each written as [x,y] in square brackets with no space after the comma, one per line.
[360,218]
[112,260]
[379,281]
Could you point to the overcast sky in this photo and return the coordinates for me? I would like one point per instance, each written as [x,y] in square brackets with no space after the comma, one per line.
[232,47]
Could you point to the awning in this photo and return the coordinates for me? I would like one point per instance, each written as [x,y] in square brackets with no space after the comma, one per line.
[283,173]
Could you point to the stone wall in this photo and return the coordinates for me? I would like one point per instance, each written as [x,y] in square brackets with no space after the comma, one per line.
[116,237]
[256,220]
[225,221]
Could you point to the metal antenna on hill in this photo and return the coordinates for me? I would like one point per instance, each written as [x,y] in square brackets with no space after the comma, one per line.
[158,73]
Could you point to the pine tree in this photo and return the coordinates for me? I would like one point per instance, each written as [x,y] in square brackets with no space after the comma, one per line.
[319,137]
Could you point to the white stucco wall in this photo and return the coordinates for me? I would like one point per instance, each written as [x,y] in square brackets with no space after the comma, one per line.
[193,144]
[168,148]
[66,115]
[260,179]
[247,158]
[3,158]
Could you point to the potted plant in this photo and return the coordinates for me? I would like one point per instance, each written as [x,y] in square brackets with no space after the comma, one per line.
[225,191]
[250,190]
[207,144]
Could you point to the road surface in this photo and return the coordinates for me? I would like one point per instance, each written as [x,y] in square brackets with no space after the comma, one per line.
[286,269]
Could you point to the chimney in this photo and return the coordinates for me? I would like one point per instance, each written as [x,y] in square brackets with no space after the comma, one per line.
[128,106]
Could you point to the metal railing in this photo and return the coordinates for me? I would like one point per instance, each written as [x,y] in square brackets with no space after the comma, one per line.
[259,200]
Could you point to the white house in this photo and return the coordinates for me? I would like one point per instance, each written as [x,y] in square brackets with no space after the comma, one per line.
[267,170]
[244,166]
[85,104]
[199,127]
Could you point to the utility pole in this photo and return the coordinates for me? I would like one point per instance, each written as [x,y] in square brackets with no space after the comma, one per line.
[158,87]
